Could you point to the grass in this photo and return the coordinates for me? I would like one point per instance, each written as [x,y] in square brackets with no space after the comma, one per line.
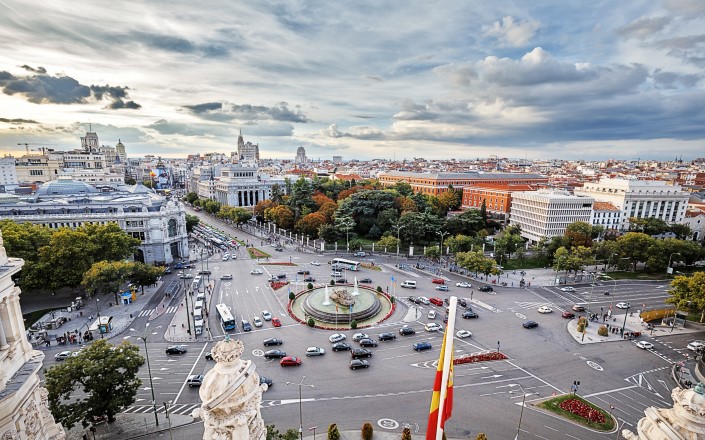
[32,317]
[257,253]
[526,264]
[552,405]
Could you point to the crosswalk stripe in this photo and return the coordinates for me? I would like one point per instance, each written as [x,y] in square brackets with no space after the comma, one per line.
[183,409]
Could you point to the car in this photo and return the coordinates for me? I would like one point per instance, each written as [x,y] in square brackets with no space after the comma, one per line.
[185,276]
[290,361]
[438,281]
[463,334]
[578,308]
[274,354]
[226,277]
[436,301]
[178,266]
[194,380]
[470,314]
[359,363]
[420,346]
[445,319]
[176,349]
[310,279]
[316,263]
[485,289]
[341,346]
[696,345]
[272,341]
[266,315]
[337,337]
[209,356]
[268,381]
[279,249]
[281,276]
[303,272]
[246,327]
[276,322]
[273,279]
[530,324]
[226,257]
[463,284]
[462,302]
[341,281]
[62,356]
[357,353]
[567,289]
[315,351]
[414,299]
[545,309]
[360,254]
[645,345]
[423,300]
[256,321]
[406,331]
[358,336]
[568,315]
[256,272]
[432,327]
[368,342]
[366,280]
[431,314]
[387,336]
[443,288]
[167,271]
[204,272]
[622,305]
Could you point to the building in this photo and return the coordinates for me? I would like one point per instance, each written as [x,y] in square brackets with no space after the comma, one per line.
[639,199]
[301,156]
[247,151]
[159,223]
[695,219]
[337,159]
[244,187]
[437,183]
[547,213]
[24,408]
[39,168]
[606,215]
[120,151]
[497,198]
[8,174]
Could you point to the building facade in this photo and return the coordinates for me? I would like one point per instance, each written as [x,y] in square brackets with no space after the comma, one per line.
[247,151]
[497,198]
[301,156]
[547,213]
[437,183]
[8,174]
[606,215]
[244,187]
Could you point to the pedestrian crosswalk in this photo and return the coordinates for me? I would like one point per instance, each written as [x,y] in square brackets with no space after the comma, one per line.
[149,312]
[144,313]
[183,408]
[533,305]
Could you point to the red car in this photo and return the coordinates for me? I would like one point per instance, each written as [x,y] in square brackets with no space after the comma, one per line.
[276,322]
[290,361]
[568,315]
[438,281]
[436,301]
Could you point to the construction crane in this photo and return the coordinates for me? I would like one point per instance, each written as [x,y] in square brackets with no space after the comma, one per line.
[27,144]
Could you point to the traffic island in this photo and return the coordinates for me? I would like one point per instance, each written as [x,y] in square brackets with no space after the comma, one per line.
[580,411]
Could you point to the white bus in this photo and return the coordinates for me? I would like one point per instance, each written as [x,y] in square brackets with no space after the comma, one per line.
[225,317]
[196,283]
[342,263]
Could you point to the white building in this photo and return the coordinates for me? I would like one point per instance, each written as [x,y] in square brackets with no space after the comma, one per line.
[244,187]
[8,174]
[606,215]
[639,199]
[695,219]
[301,156]
[248,152]
[547,213]
[24,408]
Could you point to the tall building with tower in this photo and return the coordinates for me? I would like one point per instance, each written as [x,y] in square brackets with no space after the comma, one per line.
[247,151]
[301,156]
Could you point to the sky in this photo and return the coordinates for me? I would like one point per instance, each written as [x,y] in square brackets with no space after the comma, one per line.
[365,79]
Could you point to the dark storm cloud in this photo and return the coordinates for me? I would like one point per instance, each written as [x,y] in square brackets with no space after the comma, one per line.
[18,121]
[216,111]
[47,89]
[32,69]
[205,107]
[180,45]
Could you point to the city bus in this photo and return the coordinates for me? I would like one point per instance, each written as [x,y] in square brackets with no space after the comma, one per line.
[342,263]
[227,321]
[196,283]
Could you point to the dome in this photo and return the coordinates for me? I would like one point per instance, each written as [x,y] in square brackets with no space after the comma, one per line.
[65,187]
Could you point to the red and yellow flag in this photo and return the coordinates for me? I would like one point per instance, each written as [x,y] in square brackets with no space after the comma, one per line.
[434,413]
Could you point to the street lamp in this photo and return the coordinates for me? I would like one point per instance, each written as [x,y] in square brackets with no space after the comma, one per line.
[97,309]
[442,234]
[399,228]
[669,270]
[523,401]
[301,416]
[149,370]
[629,306]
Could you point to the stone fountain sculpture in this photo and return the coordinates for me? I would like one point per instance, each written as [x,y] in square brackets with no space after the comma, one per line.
[231,396]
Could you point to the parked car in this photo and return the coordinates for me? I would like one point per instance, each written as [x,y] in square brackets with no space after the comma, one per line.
[316,263]
[359,336]
[176,349]
[432,327]
[226,257]
[463,334]
[274,354]
[315,351]
[485,289]
[337,337]
[209,356]
[276,322]
[279,249]
[366,280]
[357,353]
[272,341]
[341,346]
[545,309]
[530,324]
[303,272]
[359,363]
[696,345]
[568,315]
[281,276]
[359,254]
[256,321]
[463,284]
[436,301]
[438,281]
[256,272]
[406,331]
[387,336]
[462,302]
[423,300]
[290,361]
[368,342]
[266,315]
[62,356]
[420,346]
[266,380]
[645,345]
[204,272]
[246,326]
[341,281]
[443,288]
[194,380]
[431,314]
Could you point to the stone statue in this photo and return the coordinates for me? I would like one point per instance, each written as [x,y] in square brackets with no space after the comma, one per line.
[231,395]
[342,297]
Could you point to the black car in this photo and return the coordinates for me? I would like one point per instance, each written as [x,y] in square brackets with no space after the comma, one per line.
[304,272]
[266,380]
[530,324]
[310,279]
[204,272]
[470,314]
[274,354]
[340,346]
[413,299]
[359,363]
[486,289]
[462,302]
[167,271]
[281,276]
[341,281]
[272,341]
[420,346]
[279,249]
[209,356]
[176,349]
[357,353]
[406,331]
[387,336]
[367,342]
[366,280]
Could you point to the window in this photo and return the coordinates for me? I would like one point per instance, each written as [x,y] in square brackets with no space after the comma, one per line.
[172,227]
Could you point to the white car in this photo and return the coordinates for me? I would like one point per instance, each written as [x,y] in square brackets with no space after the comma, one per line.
[62,356]
[432,314]
[256,321]
[315,351]
[645,345]
[432,327]
[423,300]
[622,305]
[696,345]
[256,272]
[316,263]
[226,257]
[568,289]
[545,309]
[266,315]
[463,284]
[463,334]
[358,336]
[337,337]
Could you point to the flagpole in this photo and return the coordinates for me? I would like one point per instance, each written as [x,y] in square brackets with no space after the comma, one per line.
[447,359]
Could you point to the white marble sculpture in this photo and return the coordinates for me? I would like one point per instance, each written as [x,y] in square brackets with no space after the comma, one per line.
[231,396]
[686,420]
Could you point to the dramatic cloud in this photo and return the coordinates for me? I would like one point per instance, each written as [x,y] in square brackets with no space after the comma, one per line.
[18,121]
[217,111]
[513,33]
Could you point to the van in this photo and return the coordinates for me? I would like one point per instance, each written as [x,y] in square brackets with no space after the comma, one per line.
[409,284]
[198,315]
[198,307]
[336,274]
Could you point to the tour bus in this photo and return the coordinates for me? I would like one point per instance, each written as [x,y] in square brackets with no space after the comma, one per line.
[342,263]
[225,317]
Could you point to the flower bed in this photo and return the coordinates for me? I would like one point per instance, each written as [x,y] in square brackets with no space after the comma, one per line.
[277,264]
[481,357]
[256,253]
[582,409]
[278,284]
[579,410]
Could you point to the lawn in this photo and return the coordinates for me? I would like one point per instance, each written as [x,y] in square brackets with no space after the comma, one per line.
[32,317]
[554,405]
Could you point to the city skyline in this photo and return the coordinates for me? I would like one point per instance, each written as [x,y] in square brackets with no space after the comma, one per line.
[546,80]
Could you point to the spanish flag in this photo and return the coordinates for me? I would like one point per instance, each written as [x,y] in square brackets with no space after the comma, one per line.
[442,402]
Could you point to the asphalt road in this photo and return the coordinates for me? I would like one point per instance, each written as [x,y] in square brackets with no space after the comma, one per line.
[395,391]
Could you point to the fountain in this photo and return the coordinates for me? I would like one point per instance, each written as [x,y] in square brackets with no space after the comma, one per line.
[355,291]
[326,298]
[341,306]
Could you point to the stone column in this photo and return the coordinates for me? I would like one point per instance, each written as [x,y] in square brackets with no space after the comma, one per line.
[3,338]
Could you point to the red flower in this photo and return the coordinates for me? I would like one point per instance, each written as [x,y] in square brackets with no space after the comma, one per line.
[580,408]
[481,357]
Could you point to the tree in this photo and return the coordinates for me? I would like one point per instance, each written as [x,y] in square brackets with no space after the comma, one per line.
[333,433]
[406,434]
[300,198]
[144,274]
[688,293]
[507,242]
[212,206]
[261,207]
[67,257]
[310,223]
[329,233]
[683,232]
[281,215]
[24,240]
[468,223]
[277,195]
[375,233]
[635,246]
[101,381]
[109,242]
[649,226]
[130,180]
[403,188]
[388,242]
[459,243]
[191,222]
[481,436]
[578,234]
[432,252]
[367,431]
[483,210]
[106,277]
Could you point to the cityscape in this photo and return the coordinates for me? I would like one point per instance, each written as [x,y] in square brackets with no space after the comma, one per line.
[352,221]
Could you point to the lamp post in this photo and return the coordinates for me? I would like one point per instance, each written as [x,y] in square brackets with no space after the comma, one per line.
[301,414]
[442,234]
[521,414]
[399,228]
[188,319]
[669,269]
[149,370]
[97,309]
[629,306]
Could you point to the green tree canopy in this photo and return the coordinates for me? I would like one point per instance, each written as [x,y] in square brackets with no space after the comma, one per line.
[106,276]
[191,222]
[144,274]
[635,247]
[688,293]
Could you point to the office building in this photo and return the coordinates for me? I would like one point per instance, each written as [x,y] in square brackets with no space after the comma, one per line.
[547,213]
[437,183]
